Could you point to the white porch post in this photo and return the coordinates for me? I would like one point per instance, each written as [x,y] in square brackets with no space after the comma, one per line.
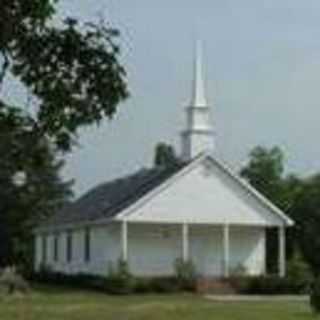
[124,241]
[185,242]
[282,251]
[226,250]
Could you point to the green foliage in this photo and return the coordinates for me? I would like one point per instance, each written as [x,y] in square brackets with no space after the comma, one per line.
[185,272]
[166,285]
[121,270]
[239,270]
[315,296]
[22,207]
[165,156]
[13,282]
[264,171]
[265,285]
[73,76]
[71,69]
[306,213]
[299,198]
[119,280]
[157,285]
[299,272]
[80,280]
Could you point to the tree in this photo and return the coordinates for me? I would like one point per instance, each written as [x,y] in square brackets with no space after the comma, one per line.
[165,156]
[23,205]
[306,213]
[299,198]
[265,172]
[315,296]
[72,71]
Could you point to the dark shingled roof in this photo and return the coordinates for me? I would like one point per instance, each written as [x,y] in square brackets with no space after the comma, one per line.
[110,198]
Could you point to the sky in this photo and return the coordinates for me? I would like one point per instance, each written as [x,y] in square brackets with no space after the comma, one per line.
[262,70]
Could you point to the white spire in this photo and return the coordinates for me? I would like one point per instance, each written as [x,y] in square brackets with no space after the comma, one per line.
[198,95]
[198,135]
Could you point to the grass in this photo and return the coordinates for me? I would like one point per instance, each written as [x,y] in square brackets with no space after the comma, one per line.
[48,303]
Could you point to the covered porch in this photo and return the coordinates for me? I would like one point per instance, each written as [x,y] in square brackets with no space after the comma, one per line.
[216,250]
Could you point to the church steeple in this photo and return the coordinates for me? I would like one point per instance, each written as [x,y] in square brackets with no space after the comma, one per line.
[198,94]
[198,135]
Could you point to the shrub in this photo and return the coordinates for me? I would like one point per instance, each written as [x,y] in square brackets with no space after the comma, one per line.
[120,280]
[299,273]
[79,280]
[185,273]
[44,271]
[166,285]
[267,285]
[13,282]
[315,296]
[238,271]
[143,285]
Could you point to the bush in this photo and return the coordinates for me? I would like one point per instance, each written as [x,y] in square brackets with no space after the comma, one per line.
[162,284]
[79,280]
[315,296]
[267,285]
[13,282]
[165,285]
[299,273]
[239,271]
[143,285]
[185,273]
[120,280]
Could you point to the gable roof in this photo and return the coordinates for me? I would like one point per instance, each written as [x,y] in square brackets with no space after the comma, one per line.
[118,198]
[236,180]
[253,192]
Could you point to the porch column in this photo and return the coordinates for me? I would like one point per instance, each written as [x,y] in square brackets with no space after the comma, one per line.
[226,250]
[124,241]
[185,242]
[282,251]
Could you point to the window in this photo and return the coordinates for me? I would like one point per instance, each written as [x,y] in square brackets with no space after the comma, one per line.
[56,247]
[44,249]
[69,246]
[87,240]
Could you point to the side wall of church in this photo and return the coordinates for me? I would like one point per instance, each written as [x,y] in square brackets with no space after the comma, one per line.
[153,249]
[103,253]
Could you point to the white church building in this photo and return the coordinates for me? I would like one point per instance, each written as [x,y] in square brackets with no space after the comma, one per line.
[200,212]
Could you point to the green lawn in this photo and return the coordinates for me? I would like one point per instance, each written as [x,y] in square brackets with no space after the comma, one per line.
[56,304]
